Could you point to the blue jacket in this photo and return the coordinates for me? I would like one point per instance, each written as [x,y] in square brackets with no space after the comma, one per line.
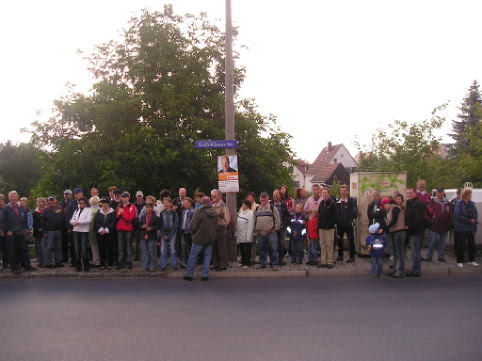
[297,225]
[10,222]
[168,223]
[374,240]
[463,213]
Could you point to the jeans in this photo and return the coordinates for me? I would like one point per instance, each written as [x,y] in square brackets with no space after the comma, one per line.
[464,240]
[376,266]
[186,247]
[18,250]
[415,248]
[398,240]
[327,242]
[297,250]
[196,250]
[124,242]
[149,258]
[172,247]
[81,240]
[39,250]
[351,240]
[53,243]
[281,235]
[313,250]
[437,239]
[271,241]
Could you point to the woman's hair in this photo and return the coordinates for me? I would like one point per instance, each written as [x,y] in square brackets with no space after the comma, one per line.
[149,205]
[164,194]
[24,199]
[152,198]
[466,193]
[299,192]
[94,200]
[167,199]
[43,200]
[200,194]
[247,203]
[287,194]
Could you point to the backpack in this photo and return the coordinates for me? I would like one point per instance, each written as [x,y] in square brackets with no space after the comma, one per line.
[272,215]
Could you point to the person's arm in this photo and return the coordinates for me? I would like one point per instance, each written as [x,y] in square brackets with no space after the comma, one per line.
[74,218]
[250,229]
[195,223]
[277,221]
[154,223]
[395,212]
[354,208]
[88,217]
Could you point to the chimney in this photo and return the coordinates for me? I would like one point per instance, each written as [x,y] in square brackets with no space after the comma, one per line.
[330,147]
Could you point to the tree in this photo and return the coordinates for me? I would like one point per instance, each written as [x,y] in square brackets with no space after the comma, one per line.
[468,117]
[409,148]
[156,93]
[21,167]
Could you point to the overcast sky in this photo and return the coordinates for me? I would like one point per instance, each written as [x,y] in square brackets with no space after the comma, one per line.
[330,71]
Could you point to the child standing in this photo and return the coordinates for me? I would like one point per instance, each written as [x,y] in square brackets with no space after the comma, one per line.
[376,243]
[297,225]
[313,236]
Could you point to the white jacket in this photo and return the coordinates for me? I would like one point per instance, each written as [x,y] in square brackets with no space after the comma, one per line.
[245,226]
[83,218]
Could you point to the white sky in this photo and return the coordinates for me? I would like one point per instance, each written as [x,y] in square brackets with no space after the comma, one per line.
[329,70]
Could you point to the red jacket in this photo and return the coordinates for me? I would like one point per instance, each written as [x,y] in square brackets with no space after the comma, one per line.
[126,219]
[442,215]
[312,227]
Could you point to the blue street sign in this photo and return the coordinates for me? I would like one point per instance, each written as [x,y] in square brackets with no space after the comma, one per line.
[216,144]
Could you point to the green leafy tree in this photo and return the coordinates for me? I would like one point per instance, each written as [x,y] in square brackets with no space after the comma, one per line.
[21,167]
[156,93]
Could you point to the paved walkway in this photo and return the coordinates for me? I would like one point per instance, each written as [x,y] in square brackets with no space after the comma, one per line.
[360,267]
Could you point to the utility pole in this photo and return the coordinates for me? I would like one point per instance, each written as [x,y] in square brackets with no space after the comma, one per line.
[229,114]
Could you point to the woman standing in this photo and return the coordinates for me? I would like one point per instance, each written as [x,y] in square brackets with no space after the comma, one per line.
[327,220]
[396,233]
[38,233]
[104,228]
[94,208]
[148,225]
[81,222]
[465,226]
[285,197]
[244,233]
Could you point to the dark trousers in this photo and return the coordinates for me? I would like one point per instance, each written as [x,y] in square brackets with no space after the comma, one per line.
[81,244]
[245,249]
[463,240]
[137,241]
[4,251]
[106,245]
[220,251]
[351,240]
[179,244]
[18,252]
[186,247]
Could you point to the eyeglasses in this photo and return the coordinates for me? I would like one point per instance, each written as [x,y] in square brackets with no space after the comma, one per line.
[81,202]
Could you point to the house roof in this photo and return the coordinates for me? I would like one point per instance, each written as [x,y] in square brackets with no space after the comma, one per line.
[324,159]
[325,173]
[302,165]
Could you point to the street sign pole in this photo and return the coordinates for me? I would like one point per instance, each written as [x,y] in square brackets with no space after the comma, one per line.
[229,110]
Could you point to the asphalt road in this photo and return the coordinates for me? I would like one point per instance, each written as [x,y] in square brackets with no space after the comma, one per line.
[353,318]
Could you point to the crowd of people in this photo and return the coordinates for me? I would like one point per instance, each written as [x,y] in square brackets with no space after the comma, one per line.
[182,232]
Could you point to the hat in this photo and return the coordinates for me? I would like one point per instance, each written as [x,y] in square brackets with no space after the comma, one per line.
[52,197]
[78,190]
[125,194]
[139,193]
[384,201]
[440,189]
[67,191]
[264,194]
[105,200]
[118,191]
[373,228]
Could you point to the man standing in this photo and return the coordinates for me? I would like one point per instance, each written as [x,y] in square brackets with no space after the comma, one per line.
[71,208]
[177,206]
[414,222]
[421,193]
[140,204]
[14,225]
[266,225]
[52,223]
[220,252]
[327,220]
[312,203]
[347,210]
[66,235]
[251,196]
[125,214]
[285,219]
[204,226]
[114,203]
[442,218]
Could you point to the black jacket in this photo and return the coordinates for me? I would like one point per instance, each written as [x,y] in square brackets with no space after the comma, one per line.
[53,219]
[377,214]
[154,224]
[327,214]
[102,220]
[347,212]
[284,213]
[415,216]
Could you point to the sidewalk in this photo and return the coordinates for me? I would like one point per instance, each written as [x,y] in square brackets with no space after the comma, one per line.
[359,268]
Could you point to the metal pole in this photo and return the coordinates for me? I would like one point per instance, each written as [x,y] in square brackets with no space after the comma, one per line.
[229,114]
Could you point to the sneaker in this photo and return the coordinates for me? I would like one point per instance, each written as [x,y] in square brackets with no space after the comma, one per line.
[330,266]
[442,260]
[245,267]
[427,259]
[411,274]
[275,268]
[460,265]
[187,278]
[473,264]
[321,265]
[391,258]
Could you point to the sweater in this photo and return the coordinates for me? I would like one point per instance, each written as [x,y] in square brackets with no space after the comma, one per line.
[125,220]
[53,219]
[312,226]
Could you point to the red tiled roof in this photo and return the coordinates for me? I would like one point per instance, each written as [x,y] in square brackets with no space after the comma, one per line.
[302,165]
[324,159]
[324,173]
